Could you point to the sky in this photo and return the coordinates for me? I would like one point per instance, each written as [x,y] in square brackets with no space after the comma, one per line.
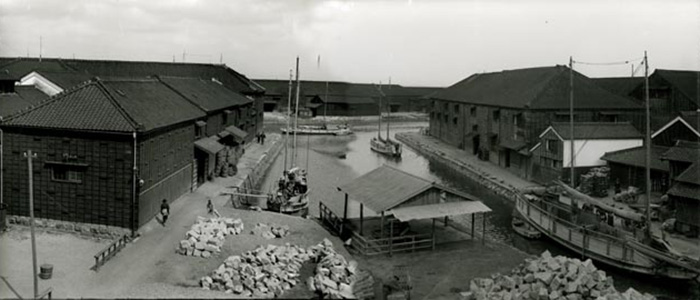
[412,43]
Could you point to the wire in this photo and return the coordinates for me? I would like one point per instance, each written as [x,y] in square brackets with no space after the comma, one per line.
[608,63]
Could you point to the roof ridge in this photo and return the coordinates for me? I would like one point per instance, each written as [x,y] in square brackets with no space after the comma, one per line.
[545,87]
[14,60]
[404,172]
[132,122]
[48,100]
[180,93]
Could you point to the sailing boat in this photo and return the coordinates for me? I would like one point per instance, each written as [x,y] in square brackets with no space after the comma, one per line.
[292,194]
[378,144]
[592,227]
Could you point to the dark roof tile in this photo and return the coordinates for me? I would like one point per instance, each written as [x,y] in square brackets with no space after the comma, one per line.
[598,130]
[637,157]
[622,86]
[208,95]
[685,151]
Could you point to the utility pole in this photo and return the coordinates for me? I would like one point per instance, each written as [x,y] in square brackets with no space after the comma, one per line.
[388,111]
[40,47]
[571,117]
[29,155]
[647,137]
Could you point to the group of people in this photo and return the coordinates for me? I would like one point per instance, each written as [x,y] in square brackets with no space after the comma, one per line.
[260,137]
[292,183]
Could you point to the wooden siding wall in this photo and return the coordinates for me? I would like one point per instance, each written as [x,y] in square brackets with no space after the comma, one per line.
[103,197]
[541,171]
[677,131]
[688,211]
[635,176]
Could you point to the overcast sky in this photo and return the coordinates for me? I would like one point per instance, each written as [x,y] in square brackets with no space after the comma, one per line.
[430,43]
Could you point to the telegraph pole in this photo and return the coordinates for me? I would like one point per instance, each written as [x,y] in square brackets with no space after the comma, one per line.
[29,155]
[289,116]
[296,115]
[571,117]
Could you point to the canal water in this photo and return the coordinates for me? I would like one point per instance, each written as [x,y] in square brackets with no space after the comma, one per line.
[333,161]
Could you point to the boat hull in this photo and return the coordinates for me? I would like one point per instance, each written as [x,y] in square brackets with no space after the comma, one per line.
[385,147]
[609,250]
[313,131]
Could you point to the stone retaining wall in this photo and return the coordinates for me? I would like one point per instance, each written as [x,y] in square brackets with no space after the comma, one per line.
[255,177]
[91,230]
[498,186]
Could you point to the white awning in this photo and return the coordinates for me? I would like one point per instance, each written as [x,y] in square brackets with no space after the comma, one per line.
[439,210]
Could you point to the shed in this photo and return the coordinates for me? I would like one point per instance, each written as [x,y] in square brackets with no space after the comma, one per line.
[392,192]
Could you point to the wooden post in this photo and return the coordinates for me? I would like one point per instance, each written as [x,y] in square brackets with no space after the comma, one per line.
[381,226]
[345,211]
[391,235]
[483,228]
[362,217]
[29,156]
[433,234]
[473,224]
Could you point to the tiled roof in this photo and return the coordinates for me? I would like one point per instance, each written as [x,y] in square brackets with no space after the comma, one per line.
[637,157]
[536,88]
[151,103]
[683,151]
[338,92]
[685,190]
[597,130]
[87,107]
[114,105]
[622,86]
[66,80]
[114,68]
[692,118]
[690,175]
[5,75]
[23,98]
[206,94]
[685,81]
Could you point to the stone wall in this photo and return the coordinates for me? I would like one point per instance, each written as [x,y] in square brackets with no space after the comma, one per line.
[85,229]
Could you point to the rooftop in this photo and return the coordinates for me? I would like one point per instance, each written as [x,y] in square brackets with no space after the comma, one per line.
[534,88]
[690,175]
[637,157]
[684,151]
[622,86]
[22,98]
[683,80]
[206,94]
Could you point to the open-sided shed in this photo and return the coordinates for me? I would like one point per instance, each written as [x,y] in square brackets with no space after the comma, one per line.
[388,191]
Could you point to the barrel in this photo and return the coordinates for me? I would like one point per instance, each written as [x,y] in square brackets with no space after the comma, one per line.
[46,271]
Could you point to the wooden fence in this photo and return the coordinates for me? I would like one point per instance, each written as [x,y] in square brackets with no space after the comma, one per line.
[103,256]
[376,246]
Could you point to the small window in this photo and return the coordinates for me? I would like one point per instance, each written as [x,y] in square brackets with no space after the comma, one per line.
[475,128]
[496,115]
[224,118]
[65,173]
[445,118]
[457,108]
[454,120]
[472,111]
[552,146]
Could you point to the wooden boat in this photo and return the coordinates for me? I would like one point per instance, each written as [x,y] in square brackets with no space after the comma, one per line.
[385,146]
[292,196]
[318,130]
[380,145]
[522,228]
[615,250]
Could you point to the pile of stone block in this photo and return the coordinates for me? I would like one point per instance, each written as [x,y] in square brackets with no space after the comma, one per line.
[551,278]
[334,276]
[595,182]
[270,231]
[207,236]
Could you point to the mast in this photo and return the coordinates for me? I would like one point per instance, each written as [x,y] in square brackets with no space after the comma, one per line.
[296,115]
[379,129]
[647,137]
[289,116]
[571,117]
[325,105]
[388,113]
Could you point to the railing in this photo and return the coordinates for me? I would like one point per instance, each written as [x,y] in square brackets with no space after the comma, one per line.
[103,256]
[329,218]
[390,245]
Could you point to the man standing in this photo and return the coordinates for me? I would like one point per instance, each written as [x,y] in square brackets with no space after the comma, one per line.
[165,210]
[262,138]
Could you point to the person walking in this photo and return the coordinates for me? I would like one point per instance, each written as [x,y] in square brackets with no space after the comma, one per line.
[262,138]
[165,210]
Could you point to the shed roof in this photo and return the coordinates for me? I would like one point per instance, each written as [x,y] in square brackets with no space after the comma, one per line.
[636,157]
[240,134]
[685,81]
[683,151]
[209,145]
[385,187]
[535,88]
[690,175]
[597,130]
[681,189]
[439,210]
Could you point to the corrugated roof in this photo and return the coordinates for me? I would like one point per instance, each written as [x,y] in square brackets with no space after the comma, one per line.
[683,151]
[598,130]
[690,175]
[622,86]
[439,210]
[384,188]
[87,107]
[637,157]
[206,94]
[536,88]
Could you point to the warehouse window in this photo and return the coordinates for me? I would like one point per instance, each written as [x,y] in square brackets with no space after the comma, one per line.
[67,173]
[496,115]
[552,146]
[457,108]
[454,120]
[472,111]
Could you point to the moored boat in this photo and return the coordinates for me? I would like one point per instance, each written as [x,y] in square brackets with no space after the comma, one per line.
[292,195]
[318,130]
[524,229]
[385,146]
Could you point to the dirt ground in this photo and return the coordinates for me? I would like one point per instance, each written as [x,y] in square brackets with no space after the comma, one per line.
[71,256]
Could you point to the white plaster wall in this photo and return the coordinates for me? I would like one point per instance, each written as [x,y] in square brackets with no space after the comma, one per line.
[589,152]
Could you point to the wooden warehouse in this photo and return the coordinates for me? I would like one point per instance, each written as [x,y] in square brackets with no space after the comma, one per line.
[499,115]
[684,194]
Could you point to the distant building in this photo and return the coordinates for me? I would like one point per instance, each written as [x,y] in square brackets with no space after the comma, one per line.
[685,126]
[670,92]
[343,98]
[623,86]
[551,156]
[629,167]
[500,115]
[684,194]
